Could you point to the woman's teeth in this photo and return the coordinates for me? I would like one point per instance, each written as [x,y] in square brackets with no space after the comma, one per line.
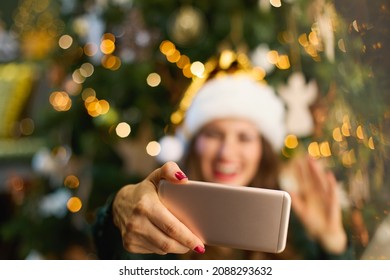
[226,169]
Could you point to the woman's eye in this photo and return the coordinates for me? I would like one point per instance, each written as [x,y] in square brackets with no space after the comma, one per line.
[211,133]
[246,138]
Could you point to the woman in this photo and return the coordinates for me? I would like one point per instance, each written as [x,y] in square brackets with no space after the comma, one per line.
[232,131]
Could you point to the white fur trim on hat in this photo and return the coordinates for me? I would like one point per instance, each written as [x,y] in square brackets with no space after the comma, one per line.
[237,96]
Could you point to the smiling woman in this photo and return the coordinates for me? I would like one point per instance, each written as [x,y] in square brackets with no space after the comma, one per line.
[233,132]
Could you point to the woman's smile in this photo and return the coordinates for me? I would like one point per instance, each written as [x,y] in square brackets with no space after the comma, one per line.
[229,151]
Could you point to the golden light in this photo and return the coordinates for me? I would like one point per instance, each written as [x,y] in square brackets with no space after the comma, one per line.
[88,95]
[72,182]
[123,129]
[303,40]
[111,62]
[276,3]
[359,132]
[345,129]
[153,148]
[259,73]
[314,149]
[77,77]
[348,158]
[197,68]
[325,149]
[176,117]
[273,57]
[183,61]
[291,141]
[311,50]
[60,101]
[167,47]
[187,71]
[87,69]
[93,108]
[313,39]
[174,56]
[109,36]
[337,136]
[153,79]
[104,107]
[283,62]
[371,143]
[107,46]
[65,42]
[226,58]
[74,204]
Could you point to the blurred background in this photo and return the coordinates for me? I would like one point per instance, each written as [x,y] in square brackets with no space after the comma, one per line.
[88,88]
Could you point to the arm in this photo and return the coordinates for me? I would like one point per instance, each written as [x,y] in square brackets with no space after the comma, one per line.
[317,206]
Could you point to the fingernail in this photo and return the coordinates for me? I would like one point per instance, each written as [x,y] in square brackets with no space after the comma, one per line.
[199,249]
[180,175]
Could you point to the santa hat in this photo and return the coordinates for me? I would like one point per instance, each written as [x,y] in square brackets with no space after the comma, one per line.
[237,94]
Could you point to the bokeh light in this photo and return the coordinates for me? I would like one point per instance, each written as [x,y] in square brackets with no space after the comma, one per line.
[123,129]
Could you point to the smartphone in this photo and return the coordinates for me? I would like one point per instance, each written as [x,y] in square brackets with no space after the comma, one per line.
[240,217]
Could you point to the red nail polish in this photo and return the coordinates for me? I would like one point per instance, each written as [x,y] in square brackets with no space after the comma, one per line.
[180,175]
[199,249]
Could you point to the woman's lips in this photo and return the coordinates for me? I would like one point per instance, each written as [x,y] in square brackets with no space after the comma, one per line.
[225,172]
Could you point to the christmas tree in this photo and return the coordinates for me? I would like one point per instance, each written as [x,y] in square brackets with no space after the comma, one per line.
[88,88]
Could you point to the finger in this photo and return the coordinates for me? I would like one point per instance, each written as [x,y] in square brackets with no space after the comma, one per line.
[169,171]
[163,219]
[333,195]
[140,235]
[320,180]
[157,242]
[303,177]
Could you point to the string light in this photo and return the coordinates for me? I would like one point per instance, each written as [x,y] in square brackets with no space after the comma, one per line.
[291,141]
[276,3]
[153,148]
[65,42]
[123,130]
[60,101]
[74,204]
[153,79]
[197,69]
[72,182]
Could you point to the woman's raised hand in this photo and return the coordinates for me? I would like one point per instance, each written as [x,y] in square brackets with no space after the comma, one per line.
[317,204]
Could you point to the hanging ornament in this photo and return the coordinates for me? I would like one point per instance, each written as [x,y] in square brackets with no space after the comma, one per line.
[187,26]
[298,97]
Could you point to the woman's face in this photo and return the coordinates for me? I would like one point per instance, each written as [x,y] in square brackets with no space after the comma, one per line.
[229,151]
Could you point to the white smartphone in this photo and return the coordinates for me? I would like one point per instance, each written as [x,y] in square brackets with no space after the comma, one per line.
[239,217]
